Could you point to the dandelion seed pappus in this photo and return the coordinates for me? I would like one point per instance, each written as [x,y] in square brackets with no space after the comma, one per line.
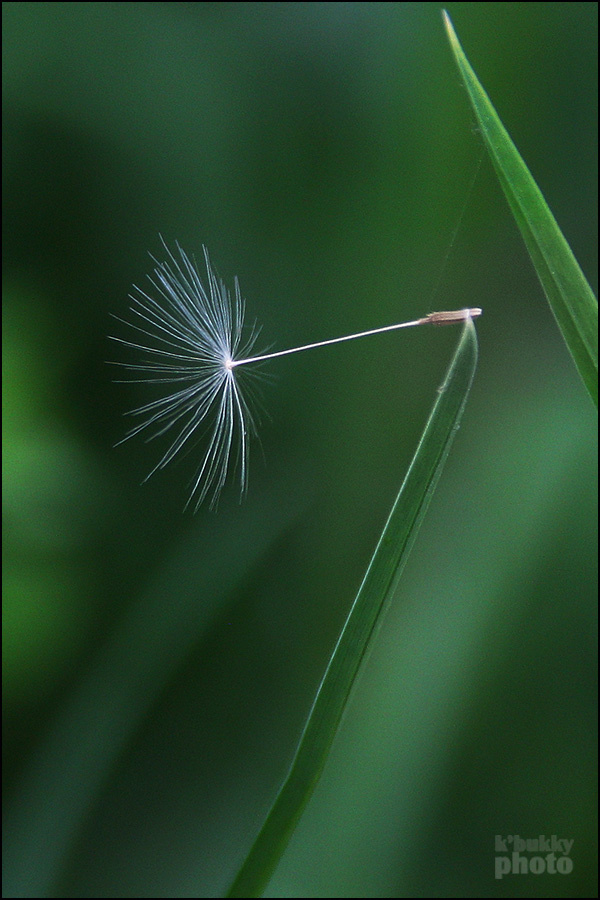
[191,335]
[194,342]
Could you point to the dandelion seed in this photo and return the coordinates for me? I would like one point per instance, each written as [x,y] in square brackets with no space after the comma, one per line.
[198,340]
[195,334]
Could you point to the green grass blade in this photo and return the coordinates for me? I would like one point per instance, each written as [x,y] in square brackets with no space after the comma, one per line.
[571,299]
[375,593]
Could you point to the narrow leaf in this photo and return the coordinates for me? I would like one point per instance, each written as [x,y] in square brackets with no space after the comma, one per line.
[374,595]
[571,299]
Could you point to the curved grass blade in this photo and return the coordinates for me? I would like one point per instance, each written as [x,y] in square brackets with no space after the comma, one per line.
[570,297]
[374,595]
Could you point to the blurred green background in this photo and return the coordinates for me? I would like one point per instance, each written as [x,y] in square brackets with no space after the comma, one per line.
[159,666]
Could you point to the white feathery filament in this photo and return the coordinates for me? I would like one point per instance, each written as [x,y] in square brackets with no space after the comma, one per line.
[195,341]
